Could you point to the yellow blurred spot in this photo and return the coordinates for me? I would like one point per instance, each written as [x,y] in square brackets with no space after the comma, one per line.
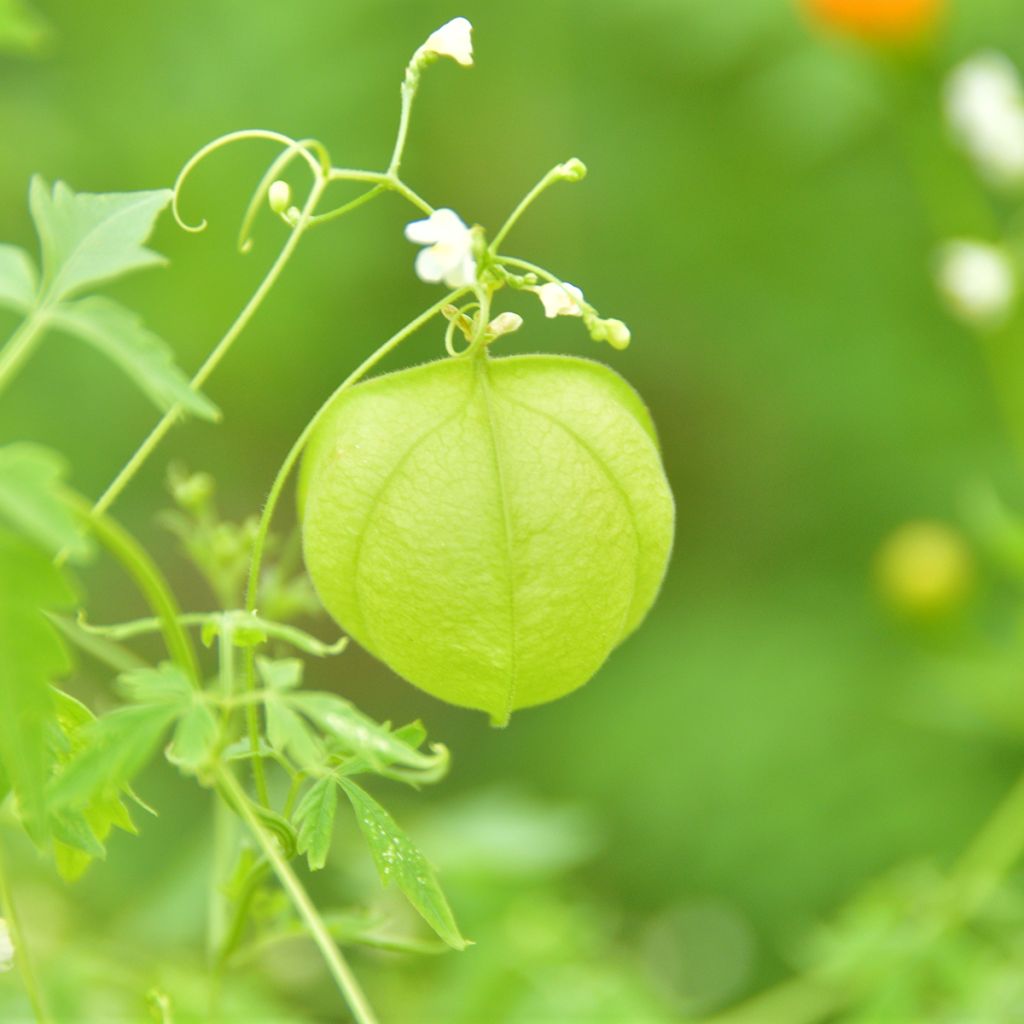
[925,570]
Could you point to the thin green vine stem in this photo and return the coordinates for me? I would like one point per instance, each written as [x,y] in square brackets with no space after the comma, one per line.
[274,496]
[385,180]
[549,179]
[410,84]
[336,962]
[149,579]
[340,211]
[171,417]
[22,956]
[20,346]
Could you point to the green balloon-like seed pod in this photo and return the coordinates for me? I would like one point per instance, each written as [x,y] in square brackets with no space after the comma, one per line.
[489,528]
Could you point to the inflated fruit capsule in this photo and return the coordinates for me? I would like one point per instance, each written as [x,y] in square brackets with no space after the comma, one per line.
[490,528]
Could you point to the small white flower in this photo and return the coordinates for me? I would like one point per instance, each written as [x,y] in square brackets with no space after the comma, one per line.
[505,323]
[977,281]
[453,39]
[449,253]
[6,947]
[560,299]
[985,108]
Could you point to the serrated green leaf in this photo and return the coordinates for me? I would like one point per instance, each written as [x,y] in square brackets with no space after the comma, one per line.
[280,674]
[166,684]
[19,282]
[71,828]
[119,745]
[399,860]
[315,819]
[120,335]
[289,734]
[31,657]
[194,738]
[79,835]
[360,734]
[30,499]
[88,238]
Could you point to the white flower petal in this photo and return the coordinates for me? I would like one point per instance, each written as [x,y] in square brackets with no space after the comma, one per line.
[985,108]
[428,268]
[977,281]
[453,39]
[449,256]
[421,231]
[463,273]
[560,299]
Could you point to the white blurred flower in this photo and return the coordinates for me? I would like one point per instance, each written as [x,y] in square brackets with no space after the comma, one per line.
[6,947]
[985,108]
[977,281]
[453,39]
[505,323]
[560,299]
[449,253]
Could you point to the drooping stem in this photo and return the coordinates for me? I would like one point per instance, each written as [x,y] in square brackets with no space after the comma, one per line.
[22,956]
[336,962]
[20,346]
[263,530]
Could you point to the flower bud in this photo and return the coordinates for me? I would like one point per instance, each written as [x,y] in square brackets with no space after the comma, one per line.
[572,170]
[453,39]
[505,323]
[618,334]
[279,196]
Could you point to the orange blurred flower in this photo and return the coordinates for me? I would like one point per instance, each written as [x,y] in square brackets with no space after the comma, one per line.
[881,20]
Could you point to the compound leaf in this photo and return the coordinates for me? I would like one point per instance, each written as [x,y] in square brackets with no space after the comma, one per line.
[88,238]
[30,499]
[121,336]
[31,657]
[315,819]
[399,860]
[19,283]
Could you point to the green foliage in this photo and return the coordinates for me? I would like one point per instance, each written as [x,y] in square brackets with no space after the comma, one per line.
[119,335]
[399,860]
[31,499]
[458,519]
[32,658]
[315,820]
[86,240]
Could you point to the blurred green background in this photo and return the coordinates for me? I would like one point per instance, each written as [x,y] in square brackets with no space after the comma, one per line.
[762,208]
